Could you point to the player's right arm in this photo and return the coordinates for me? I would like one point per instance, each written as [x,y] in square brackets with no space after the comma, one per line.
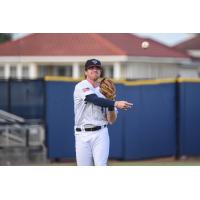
[111,115]
[93,98]
[86,93]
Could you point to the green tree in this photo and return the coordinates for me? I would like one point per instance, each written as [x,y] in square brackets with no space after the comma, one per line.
[5,37]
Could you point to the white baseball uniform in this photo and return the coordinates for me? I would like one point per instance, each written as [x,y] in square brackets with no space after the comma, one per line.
[92,147]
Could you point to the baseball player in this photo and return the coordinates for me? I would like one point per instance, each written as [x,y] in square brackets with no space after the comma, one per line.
[93,112]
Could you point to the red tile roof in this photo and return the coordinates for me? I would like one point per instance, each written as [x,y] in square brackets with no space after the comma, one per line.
[84,44]
[193,43]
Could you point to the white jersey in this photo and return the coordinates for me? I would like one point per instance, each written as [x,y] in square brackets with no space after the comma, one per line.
[86,113]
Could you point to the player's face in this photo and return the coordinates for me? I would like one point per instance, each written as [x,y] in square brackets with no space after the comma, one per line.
[93,73]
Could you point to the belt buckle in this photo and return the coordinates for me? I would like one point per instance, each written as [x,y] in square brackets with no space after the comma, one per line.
[103,126]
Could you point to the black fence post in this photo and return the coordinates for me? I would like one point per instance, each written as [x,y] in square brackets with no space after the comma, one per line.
[9,95]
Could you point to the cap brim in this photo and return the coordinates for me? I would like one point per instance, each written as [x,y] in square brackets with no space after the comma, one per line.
[88,67]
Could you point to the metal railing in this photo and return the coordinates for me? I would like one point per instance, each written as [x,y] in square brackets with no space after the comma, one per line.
[15,131]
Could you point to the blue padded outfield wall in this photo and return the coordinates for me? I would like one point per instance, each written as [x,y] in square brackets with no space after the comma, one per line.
[25,98]
[150,128]
[165,119]
[146,131]
[189,121]
[60,119]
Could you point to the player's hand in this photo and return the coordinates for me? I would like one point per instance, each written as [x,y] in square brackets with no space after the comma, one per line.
[124,105]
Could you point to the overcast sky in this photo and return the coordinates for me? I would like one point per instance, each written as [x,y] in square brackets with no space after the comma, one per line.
[166,38]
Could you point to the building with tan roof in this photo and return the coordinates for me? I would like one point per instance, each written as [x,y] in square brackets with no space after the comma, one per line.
[64,54]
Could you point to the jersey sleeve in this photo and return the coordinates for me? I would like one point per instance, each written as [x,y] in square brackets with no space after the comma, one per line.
[84,90]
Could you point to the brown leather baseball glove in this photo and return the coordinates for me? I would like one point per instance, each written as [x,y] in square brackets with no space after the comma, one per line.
[107,88]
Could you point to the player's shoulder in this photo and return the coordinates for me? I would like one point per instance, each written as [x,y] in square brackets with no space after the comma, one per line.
[82,84]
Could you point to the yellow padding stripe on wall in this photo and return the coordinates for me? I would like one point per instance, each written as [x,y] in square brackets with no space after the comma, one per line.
[136,82]
[128,83]
[149,82]
[188,80]
[62,78]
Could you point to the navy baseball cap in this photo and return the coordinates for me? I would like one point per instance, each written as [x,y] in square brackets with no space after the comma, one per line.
[92,63]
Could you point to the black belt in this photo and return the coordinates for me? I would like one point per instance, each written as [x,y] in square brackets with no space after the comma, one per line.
[96,128]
